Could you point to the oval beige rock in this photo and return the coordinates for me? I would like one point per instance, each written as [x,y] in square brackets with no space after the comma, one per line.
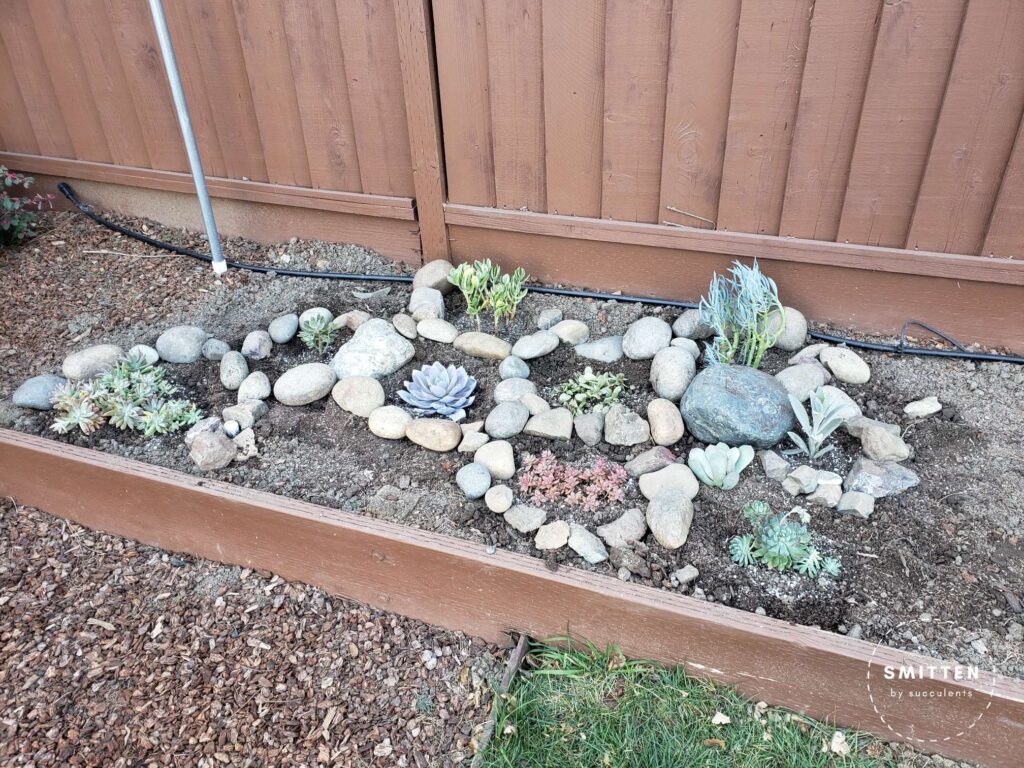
[304,384]
[359,395]
[439,435]
[389,422]
[666,422]
[483,345]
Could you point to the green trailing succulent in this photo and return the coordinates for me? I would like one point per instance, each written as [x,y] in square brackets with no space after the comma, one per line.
[739,309]
[591,392]
[826,417]
[719,465]
[781,542]
[318,332]
[133,395]
[484,287]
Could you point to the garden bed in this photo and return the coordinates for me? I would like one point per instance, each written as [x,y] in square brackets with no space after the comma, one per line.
[937,569]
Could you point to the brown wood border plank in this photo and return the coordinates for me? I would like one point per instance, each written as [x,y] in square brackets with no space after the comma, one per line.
[254,191]
[456,584]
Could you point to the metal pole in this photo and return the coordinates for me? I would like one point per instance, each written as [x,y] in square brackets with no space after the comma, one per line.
[156,9]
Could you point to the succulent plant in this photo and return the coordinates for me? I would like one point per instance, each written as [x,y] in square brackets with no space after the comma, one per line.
[591,392]
[781,542]
[439,391]
[826,417]
[318,332]
[505,295]
[719,465]
[738,309]
[475,281]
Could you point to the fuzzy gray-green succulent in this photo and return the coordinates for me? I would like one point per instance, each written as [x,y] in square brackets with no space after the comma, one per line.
[826,417]
[719,465]
[591,392]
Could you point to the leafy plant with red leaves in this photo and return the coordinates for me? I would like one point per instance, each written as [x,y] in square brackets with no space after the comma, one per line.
[547,479]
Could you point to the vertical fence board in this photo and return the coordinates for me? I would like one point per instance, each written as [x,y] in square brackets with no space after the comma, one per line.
[770,52]
[636,68]
[1005,236]
[839,52]
[909,70]
[223,67]
[370,47]
[975,133]
[147,83]
[321,89]
[702,55]
[33,81]
[272,86]
[60,57]
[573,50]
[18,133]
[107,82]
[465,105]
[516,80]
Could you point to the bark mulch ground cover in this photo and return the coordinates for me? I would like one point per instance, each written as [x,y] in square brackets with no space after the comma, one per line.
[117,654]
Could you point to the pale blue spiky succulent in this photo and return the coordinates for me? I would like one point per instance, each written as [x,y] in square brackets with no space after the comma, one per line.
[439,391]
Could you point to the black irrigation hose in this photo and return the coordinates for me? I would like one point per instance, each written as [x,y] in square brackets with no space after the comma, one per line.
[899,348]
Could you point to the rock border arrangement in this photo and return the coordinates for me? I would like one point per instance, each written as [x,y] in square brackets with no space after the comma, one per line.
[730,404]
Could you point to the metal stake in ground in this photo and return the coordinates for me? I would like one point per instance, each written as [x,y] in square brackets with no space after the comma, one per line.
[156,10]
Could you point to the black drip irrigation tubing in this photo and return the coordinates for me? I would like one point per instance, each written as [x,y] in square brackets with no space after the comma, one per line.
[900,348]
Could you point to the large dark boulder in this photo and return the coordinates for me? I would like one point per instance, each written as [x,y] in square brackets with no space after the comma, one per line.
[737,405]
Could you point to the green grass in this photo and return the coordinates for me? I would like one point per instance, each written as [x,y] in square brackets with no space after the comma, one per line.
[586,709]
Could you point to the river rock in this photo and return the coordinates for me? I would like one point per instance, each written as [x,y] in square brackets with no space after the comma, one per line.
[215,349]
[506,419]
[534,403]
[800,480]
[256,386]
[629,527]
[376,350]
[879,478]
[283,329]
[483,345]
[405,325]
[359,395]
[669,516]
[513,367]
[312,312]
[245,414]
[626,559]
[689,345]
[807,354]
[304,384]
[880,444]
[624,427]
[920,409]
[92,361]
[675,478]
[435,329]
[671,372]
[689,326]
[645,338]
[498,458]
[439,435]
[554,424]
[666,422]
[212,450]
[793,332]
[35,392]
[846,365]
[606,350]
[498,498]
[650,460]
[257,345]
[351,319]
[552,535]
[548,318]
[181,344]
[233,370]
[209,424]
[387,421]
[511,390]
[473,479]
[589,427]
[571,331]
[829,490]
[524,518]
[736,405]
[802,380]
[586,545]
[146,352]
[434,274]
[472,441]
[426,302]
[535,345]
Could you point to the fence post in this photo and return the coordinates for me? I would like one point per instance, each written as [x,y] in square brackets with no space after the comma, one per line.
[416,53]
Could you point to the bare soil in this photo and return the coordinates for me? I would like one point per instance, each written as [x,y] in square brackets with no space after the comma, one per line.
[938,569]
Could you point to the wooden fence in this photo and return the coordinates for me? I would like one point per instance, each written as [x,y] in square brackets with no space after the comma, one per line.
[871,136]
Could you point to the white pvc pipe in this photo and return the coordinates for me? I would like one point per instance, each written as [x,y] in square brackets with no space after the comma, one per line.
[156,10]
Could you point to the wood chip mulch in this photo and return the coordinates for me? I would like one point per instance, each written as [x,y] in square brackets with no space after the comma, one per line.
[117,654]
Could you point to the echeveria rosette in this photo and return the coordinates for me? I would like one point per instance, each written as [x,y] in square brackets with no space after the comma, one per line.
[439,391]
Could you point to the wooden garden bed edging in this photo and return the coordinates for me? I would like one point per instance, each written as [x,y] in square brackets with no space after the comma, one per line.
[457,585]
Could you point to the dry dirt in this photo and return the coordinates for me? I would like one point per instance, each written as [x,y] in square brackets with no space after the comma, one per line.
[939,569]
